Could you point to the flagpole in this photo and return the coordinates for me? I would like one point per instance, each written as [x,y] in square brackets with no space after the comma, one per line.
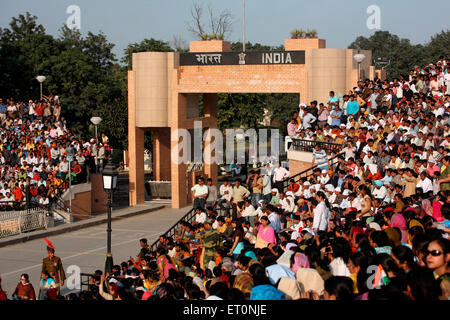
[243,25]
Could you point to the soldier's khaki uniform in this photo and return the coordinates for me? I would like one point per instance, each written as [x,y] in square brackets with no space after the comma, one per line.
[211,241]
[55,269]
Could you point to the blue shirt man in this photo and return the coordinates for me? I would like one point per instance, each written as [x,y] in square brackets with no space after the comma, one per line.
[2,108]
[275,222]
[333,99]
[336,122]
[352,107]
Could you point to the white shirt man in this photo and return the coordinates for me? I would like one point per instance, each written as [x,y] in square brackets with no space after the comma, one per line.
[324,177]
[425,183]
[339,268]
[380,191]
[9,197]
[267,185]
[200,217]
[249,211]
[280,174]
[355,203]
[43,201]
[200,190]
[344,203]
[307,120]
[226,192]
[64,166]
[287,204]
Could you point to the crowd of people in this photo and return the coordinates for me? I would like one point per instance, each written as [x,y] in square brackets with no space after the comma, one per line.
[372,225]
[36,146]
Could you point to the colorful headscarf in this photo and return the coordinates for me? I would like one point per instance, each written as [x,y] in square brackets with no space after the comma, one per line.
[266,292]
[244,283]
[300,261]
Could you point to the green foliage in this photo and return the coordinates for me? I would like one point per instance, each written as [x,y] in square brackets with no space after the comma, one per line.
[439,45]
[237,46]
[143,46]
[247,109]
[83,72]
[87,77]
[402,54]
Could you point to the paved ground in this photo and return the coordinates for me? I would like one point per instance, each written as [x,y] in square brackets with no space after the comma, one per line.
[84,248]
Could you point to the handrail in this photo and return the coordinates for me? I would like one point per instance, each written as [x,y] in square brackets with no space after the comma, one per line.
[189,216]
[308,145]
[19,205]
[184,218]
[286,181]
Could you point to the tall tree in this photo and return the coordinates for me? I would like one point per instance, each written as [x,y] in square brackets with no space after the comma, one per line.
[401,53]
[439,45]
[219,27]
[143,46]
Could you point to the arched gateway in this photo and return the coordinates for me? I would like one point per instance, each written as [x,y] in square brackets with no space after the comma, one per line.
[164,88]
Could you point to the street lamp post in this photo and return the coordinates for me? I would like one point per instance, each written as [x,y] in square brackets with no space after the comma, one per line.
[40,79]
[110,174]
[96,121]
[359,57]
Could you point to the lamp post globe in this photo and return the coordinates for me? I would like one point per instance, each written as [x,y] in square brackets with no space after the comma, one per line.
[359,57]
[109,175]
[40,79]
[96,121]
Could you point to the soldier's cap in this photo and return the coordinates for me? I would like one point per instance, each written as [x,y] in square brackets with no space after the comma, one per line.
[50,246]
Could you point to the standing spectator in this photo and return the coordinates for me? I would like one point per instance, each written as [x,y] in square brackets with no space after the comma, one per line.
[323,115]
[199,193]
[352,107]
[280,174]
[308,119]
[226,191]
[336,117]
[321,213]
[211,200]
[267,187]
[320,157]
[238,195]
[257,188]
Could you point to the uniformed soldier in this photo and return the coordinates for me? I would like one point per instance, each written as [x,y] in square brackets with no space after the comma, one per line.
[145,248]
[54,266]
[211,241]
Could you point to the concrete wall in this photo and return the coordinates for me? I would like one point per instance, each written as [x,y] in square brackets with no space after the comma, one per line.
[304,44]
[81,205]
[242,79]
[209,46]
[99,196]
[152,86]
[160,96]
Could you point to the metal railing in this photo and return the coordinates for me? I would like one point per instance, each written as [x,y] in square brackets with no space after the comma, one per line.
[188,217]
[333,161]
[14,222]
[309,145]
[85,280]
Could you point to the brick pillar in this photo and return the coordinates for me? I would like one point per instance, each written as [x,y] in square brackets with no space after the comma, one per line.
[135,147]
[178,170]
[161,154]
[210,111]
